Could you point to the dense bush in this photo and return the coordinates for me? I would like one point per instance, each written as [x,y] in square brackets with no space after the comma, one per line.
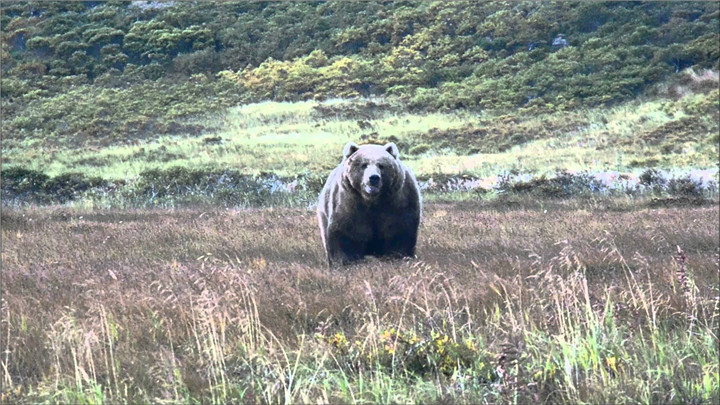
[653,179]
[434,55]
[181,186]
[18,182]
[21,185]
[563,184]
[170,187]
[685,186]
[178,185]
[69,186]
[88,114]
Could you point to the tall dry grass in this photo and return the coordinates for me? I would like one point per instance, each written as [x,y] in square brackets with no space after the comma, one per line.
[503,305]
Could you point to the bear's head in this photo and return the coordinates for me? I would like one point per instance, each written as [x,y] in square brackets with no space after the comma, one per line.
[372,170]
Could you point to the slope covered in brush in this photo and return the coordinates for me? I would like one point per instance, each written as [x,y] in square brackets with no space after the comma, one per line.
[118,70]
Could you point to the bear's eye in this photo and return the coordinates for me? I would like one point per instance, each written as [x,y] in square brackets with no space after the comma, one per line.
[364,165]
[381,167]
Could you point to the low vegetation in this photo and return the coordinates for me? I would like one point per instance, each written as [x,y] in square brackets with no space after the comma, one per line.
[123,91]
[98,73]
[562,302]
[290,147]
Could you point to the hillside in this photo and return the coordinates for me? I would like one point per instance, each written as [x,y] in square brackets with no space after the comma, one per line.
[434,55]
[141,85]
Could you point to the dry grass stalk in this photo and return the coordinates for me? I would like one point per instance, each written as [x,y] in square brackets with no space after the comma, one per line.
[218,306]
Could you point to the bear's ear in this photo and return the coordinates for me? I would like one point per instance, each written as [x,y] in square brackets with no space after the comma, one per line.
[392,149]
[349,149]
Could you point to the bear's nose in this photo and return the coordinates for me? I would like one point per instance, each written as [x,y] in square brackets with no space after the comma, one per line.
[374,180]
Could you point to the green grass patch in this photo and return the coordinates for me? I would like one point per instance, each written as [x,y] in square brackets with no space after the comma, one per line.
[292,138]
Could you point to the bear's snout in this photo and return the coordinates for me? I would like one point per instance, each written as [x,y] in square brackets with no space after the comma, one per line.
[372,182]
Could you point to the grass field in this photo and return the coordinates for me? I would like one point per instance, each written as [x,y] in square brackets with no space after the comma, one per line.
[288,138]
[568,302]
[279,154]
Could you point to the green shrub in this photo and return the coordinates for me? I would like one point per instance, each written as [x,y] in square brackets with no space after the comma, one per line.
[475,55]
[562,185]
[30,186]
[178,185]
[20,182]
[685,186]
[69,186]
[653,179]
[419,149]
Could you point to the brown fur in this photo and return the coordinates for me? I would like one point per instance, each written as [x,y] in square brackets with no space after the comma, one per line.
[370,205]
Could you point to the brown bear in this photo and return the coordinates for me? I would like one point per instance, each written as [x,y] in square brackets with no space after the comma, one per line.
[370,205]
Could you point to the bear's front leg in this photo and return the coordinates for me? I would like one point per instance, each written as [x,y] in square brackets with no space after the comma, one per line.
[342,249]
[401,245]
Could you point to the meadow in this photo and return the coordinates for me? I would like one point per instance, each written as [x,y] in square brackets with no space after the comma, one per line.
[279,153]
[562,301]
[564,257]
[287,138]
